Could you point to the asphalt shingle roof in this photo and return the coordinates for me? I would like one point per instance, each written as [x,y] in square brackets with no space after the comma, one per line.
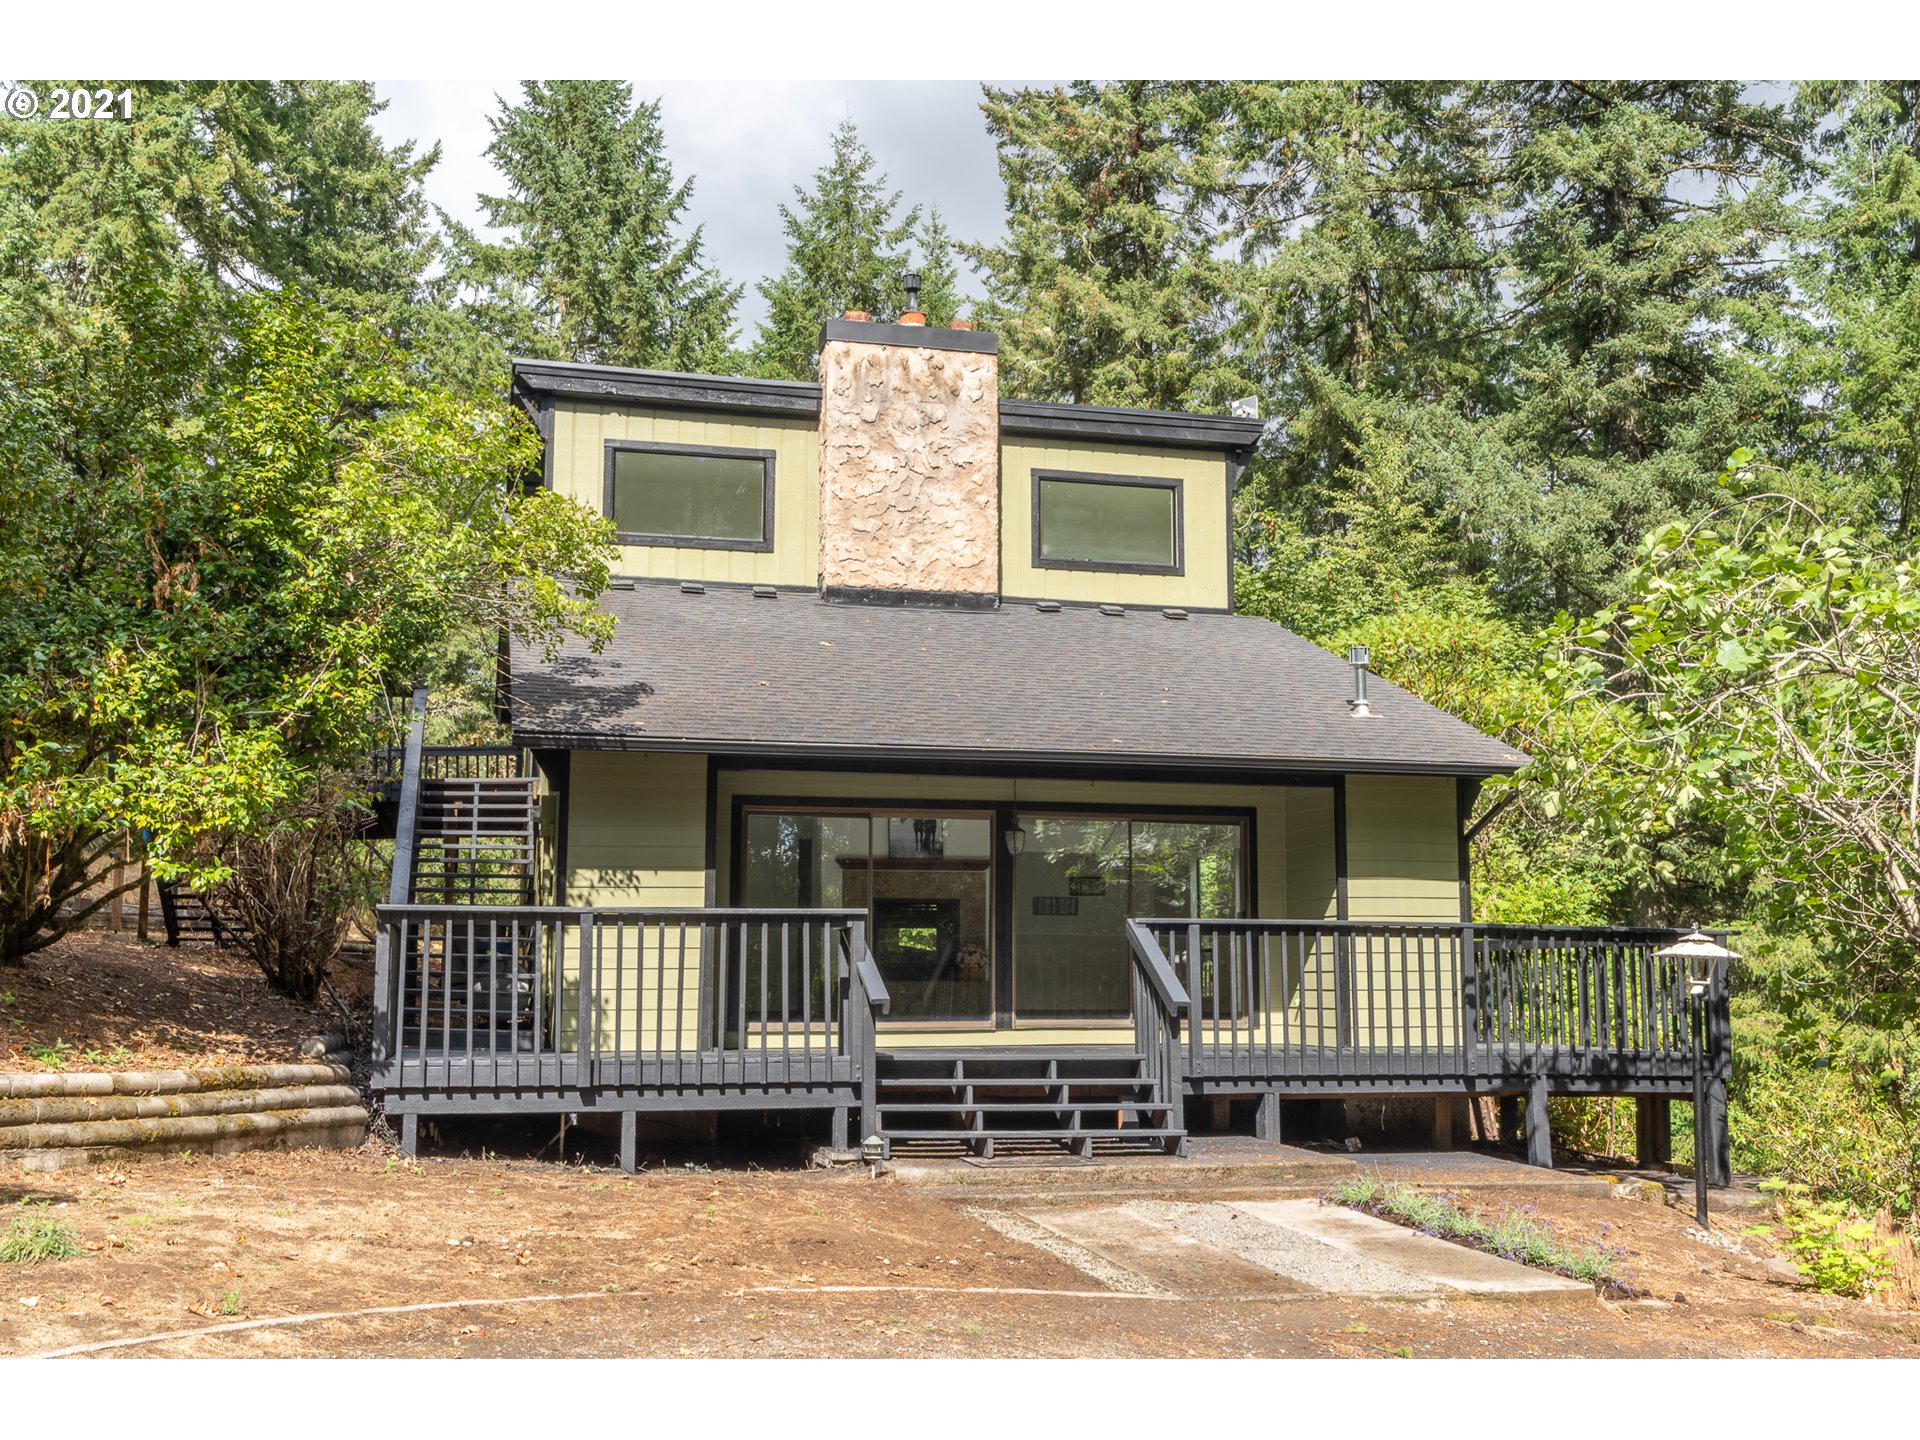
[728,671]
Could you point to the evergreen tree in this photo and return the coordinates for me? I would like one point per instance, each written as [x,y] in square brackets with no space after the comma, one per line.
[1641,214]
[1107,289]
[1847,357]
[845,251]
[939,266]
[593,266]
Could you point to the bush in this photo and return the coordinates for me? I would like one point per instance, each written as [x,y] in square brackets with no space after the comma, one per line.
[1830,1243]
[298,882]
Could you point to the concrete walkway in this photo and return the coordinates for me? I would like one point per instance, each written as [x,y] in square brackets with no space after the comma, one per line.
[1244,1249]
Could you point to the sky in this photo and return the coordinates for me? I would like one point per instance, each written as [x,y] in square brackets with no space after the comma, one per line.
[746,147]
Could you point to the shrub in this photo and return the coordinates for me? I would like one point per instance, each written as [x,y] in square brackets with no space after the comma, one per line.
[1830,1243]
[298,882]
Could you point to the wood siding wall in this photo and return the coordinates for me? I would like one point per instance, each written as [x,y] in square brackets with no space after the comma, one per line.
[1203,477]
[580,433]
[636,836]
[1403,863]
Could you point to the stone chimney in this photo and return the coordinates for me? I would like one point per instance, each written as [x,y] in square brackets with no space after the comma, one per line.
[909,462]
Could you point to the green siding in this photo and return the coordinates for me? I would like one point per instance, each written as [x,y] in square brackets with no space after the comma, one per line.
[1203,477]
[1403,848]
[1403,863]
[636,837]
[580,433]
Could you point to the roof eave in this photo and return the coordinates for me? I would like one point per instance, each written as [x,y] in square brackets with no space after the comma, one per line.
[907,755]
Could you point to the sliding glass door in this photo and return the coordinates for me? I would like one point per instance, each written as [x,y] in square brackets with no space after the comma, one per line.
[1078,879]
[926,882]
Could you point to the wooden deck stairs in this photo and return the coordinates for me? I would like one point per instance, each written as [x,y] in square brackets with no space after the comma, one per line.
[982,1102]
[476,822]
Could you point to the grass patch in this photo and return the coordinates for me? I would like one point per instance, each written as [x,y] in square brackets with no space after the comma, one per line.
[1514,1234]
[33,1238]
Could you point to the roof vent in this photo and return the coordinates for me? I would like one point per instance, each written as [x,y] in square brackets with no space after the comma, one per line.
[621,582]
[692,587]
[764,592]
[1047,607]
[1113,609]
[1359,657]
[1175,614]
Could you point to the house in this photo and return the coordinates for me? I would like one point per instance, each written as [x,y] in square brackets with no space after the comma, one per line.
[930,782]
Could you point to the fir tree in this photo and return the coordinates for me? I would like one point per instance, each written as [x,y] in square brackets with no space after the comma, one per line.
[593,266]
[1847,357]
[939,268]
[845,251]
[1106,290]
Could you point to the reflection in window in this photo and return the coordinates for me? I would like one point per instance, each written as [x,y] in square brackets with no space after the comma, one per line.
[1090,522]
[715,498]
[1079,880]
[925,881]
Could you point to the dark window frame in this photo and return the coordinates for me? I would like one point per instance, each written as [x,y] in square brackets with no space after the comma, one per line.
[693,542]
[1115,567]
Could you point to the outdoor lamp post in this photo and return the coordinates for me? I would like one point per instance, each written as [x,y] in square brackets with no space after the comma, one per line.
[1704,956]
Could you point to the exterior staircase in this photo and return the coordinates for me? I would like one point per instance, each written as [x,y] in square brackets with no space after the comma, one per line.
[465,823]
[981,1102]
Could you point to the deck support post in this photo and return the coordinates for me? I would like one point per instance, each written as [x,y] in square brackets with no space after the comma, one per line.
[1653,1130]
[630,1141]
[410,1134]
[1539,1130]
[1719,1148]
[1219,1111]
[1443,1108]
[837,1137]
[1266,1116]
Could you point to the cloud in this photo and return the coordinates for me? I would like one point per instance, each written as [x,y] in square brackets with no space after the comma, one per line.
[747,144]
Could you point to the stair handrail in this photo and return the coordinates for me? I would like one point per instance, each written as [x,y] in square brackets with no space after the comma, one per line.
[1152,963]
[386,1009]
[867,1001]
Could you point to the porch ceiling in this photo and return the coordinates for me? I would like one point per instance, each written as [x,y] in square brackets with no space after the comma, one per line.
[790,675]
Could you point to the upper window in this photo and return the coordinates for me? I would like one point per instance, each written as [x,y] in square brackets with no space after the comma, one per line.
[1106,522]
[702,496]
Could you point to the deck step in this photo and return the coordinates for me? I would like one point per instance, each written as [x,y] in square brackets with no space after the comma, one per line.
[1032,1108]
[1074,1098]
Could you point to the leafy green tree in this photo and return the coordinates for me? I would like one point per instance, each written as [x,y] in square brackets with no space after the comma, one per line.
[1765,672]
[846,250]
[209,585]
[1640,213]
[593,264]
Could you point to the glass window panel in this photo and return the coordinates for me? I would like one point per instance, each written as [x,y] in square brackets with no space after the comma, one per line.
[932,908]
[1094,522]
[704,497]
[1079,880]
[1070,910]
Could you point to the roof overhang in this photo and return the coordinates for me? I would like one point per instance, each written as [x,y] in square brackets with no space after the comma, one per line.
[537,382]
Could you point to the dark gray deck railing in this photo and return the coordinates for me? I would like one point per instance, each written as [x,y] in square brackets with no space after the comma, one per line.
[450,762]
[513,997]
[1409,1005]
[1160,1002]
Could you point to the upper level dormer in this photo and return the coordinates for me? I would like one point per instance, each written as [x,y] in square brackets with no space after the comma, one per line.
[901,477]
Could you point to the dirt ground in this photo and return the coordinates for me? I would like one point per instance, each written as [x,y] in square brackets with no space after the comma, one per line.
[98,1001]
[692,1263]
